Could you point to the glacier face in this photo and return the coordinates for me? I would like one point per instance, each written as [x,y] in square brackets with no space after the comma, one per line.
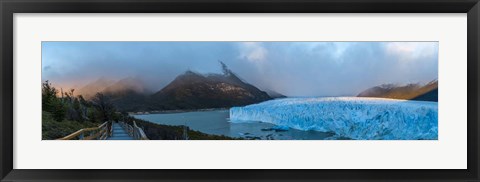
[352,117]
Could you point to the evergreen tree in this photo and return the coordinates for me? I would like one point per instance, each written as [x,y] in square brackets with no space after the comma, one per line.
[50,102]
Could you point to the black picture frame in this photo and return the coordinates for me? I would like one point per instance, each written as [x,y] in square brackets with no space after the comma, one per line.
[9,7]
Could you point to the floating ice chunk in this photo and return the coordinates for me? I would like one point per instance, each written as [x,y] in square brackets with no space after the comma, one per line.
[281,128]
[352,117]
[276,128]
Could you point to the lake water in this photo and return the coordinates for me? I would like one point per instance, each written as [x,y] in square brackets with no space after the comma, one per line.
[217,122]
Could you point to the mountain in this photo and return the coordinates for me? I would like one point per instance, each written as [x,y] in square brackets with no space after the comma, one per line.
[126,85]
[429,96]
[274,94]
[187,91]
[128,94]
[197,91]
[89,90]
[427,92]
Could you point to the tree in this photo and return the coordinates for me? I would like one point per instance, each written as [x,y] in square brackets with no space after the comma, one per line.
[104,107]
[50,102]
[83,107]
[77,110]
[49,93]
[83,101]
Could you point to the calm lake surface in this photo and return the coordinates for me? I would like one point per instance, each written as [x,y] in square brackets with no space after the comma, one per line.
[217,122]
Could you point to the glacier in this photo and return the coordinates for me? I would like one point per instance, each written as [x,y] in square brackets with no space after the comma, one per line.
[352,117]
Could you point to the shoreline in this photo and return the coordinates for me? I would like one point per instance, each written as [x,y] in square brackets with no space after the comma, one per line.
[175,111]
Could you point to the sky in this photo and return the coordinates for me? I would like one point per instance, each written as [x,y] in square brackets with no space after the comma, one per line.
[300,69]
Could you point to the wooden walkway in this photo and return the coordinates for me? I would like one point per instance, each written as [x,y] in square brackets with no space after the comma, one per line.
[109,130]
[119,133]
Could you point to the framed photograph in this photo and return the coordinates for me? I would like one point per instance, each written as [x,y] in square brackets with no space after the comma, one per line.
[239,90]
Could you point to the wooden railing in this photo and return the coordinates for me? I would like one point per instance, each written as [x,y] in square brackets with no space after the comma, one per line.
[104,131]
[101,132]
[134,131]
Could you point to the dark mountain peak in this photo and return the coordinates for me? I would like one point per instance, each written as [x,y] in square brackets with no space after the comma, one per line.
[189,90]
[228,76]
[185,78]
[192,90]
[226,71]
[190,73]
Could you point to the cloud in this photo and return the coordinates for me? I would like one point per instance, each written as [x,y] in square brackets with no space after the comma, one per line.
[290,68]
[253,51]
[411,51]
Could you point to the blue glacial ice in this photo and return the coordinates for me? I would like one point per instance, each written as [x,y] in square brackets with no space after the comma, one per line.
[352,117]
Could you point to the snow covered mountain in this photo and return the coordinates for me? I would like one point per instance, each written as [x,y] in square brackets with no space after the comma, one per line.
[352,117]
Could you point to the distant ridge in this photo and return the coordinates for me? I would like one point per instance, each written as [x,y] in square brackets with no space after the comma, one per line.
[429,96]
[427,92]
[274,94]
[92,88]
[128,94]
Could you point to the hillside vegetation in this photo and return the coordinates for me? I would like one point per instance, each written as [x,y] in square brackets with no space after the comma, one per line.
[64,113]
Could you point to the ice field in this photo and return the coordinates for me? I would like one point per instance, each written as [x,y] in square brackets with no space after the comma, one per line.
[351,117]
